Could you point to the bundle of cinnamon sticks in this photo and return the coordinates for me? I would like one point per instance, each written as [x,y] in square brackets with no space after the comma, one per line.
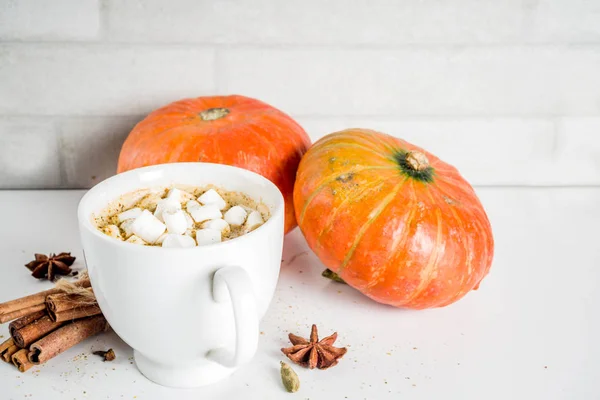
[47,323]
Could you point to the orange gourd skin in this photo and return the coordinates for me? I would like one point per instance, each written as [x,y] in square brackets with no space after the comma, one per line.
[252,135]
[410,241]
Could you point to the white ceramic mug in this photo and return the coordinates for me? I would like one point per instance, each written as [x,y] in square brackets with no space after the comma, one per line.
[190,314]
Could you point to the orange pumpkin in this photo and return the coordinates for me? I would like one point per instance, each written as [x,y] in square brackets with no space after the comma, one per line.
[392,220]
[233,130]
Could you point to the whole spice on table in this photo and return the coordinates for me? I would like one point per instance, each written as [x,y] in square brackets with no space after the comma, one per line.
[30,304]
[8,352]
[6,349]
[289,378]
[107,355]
[20,360]
[314,353]
[66,307]
[24,321]
[37,329]
[66,337]
[35,337]
[21,313]
[47,267]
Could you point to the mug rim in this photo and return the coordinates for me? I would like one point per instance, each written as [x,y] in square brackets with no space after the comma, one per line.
[85,220]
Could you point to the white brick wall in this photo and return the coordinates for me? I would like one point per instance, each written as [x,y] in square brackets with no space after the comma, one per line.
[77,20]
[75,79]
[29,154]
[508,91]
[472,81]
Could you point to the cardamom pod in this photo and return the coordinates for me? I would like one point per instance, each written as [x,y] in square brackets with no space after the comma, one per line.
[289,378]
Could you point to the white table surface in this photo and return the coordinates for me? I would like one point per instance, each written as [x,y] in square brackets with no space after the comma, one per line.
[531,332]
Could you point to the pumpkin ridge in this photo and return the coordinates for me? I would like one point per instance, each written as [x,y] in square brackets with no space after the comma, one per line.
[433,263]
[334,214]
[375,136]
[477,216]
[344,137]
[403,239]
[273,149]
[467,245]
[488,240]
[348,145]
[149,139]
[299,140]
[385,202]
[330,179]
[455,182]
[477,212]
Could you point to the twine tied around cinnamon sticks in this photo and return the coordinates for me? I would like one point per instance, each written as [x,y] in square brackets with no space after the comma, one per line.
[50,322]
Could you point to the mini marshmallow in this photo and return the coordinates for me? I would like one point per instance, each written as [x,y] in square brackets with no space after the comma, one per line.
[166,205]
[135,240]
[247,209]
[179,195]
[133,213]
[112,231]
[207,236]
[148,227]
[212,197]
[189,220]
[204,213]
[126,227]
[235,216]
[192,204]
[254,221]
[161,238]
[175,221]
[173,240]
[217,224]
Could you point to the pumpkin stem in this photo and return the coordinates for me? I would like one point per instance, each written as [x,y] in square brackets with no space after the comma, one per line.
[213,113]
[332,275]
[415,165]
[417,161]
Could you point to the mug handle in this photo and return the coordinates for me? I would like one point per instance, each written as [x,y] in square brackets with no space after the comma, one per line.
[233,284]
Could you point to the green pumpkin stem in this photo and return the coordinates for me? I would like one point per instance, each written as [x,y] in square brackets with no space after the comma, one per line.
[414,164]
[329,274]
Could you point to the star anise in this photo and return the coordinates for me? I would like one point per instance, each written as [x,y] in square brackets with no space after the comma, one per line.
[314,353]
[47,267]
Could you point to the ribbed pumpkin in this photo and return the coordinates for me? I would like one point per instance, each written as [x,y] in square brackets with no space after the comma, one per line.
[232,130]
[392,220]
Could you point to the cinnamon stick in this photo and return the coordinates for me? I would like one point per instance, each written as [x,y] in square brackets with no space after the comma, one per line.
[23,321]
[65,337]
[9,309]
[21,313]
[7,354]
[20,360]
[4,346]
[75,313]
[63,301]
[39,328]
